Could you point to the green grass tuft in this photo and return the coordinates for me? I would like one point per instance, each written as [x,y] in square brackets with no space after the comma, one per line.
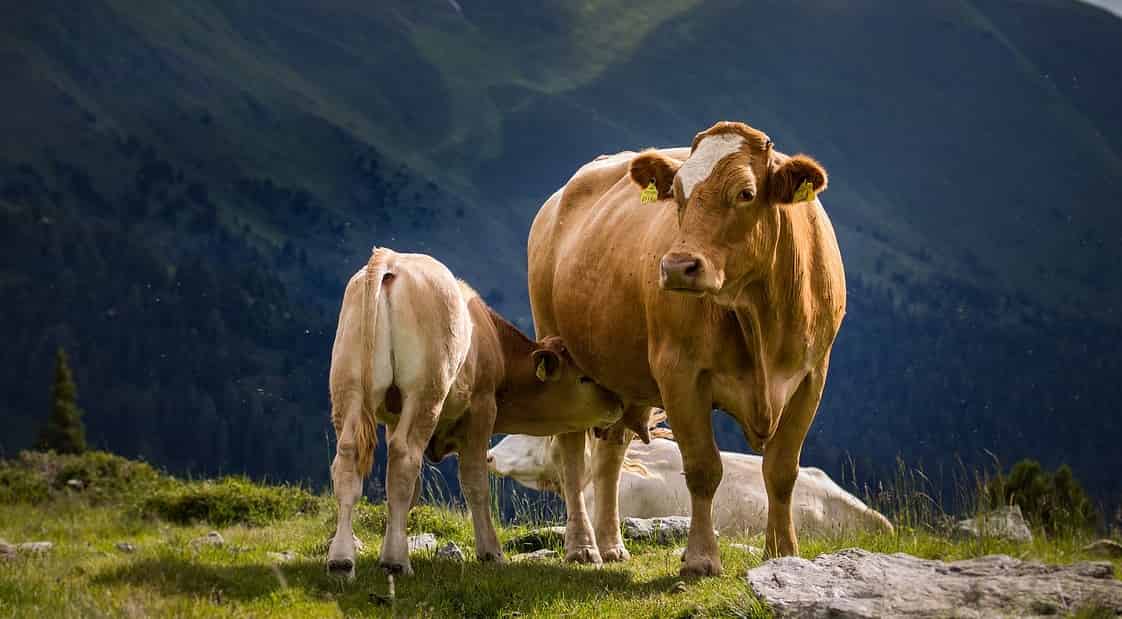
[227,501]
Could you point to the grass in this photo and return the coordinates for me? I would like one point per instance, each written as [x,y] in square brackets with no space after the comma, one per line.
[87,575]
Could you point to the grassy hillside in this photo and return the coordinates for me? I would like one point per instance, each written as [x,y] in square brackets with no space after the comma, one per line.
[184,191]
[167,571]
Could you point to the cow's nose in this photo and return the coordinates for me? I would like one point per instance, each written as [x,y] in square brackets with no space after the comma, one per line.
[490,459]
[680,271]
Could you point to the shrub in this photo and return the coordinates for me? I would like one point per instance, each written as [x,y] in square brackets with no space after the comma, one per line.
[36,477]
[1053,501]
[230,500]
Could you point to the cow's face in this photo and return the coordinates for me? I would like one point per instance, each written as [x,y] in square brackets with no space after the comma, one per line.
[564,387]
[525,459]
[728,194]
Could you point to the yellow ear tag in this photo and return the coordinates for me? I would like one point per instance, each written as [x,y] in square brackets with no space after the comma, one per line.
[805,193]
[541,373]
[649,194]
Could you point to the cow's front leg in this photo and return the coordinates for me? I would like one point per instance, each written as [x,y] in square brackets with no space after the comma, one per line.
[689,409]
[580,544]
[406,446]
[473,477]
[781,464]
[607,461]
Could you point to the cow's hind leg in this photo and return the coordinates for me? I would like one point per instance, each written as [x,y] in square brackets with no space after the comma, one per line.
[473,477]
[781,465]
[406,446]
[346,479]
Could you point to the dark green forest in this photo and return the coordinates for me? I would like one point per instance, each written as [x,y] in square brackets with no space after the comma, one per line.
[184,191]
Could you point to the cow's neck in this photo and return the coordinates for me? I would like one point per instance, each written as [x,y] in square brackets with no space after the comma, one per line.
[516,349]
[772,317]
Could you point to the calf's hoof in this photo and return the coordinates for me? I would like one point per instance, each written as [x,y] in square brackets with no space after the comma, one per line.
[341,568]
[584,554]
[612,554]
[396,568]
[492,557]
[700,567]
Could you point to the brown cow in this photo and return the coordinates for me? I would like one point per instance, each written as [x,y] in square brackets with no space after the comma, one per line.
[422,353]
[727,291]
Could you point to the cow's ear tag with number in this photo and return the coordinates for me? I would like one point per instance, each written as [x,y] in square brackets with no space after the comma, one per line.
[541,372]
[649,193]
[805,192]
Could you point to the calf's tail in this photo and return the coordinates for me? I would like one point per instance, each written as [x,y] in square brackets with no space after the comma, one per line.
[366,430]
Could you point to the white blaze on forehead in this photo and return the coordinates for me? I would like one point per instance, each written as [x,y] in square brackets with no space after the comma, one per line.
[709,152]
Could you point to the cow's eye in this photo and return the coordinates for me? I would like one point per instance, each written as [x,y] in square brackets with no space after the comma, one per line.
[584,380]
[746,195]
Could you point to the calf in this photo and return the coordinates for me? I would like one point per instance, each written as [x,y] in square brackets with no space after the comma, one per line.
[420,352]
[652,485]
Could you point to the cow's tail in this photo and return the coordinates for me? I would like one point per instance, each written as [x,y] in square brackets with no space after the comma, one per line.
[366,430]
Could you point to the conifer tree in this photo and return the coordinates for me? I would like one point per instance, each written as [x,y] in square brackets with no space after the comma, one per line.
[63,432]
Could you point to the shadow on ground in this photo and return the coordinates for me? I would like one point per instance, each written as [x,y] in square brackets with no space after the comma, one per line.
[470,589]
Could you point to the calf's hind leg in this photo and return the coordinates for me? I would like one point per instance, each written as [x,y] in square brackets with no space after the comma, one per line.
[473,477]
[406,446]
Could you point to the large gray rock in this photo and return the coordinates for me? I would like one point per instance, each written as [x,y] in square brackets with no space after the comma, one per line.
[856,583]
[1004,523]
[425,542]
[547,537]
[1106,548]
[666,530]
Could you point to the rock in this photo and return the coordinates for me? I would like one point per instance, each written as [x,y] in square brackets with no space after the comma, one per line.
[1005,523]
[281,557]
[125,547]
[425,542]
[7,551]
[76,484]
[548,537]
[34,548]
[214,538]
[752,550]
[857,583]
[537,555]
[1105,548]
[451,552]
[678,587]
[663,531]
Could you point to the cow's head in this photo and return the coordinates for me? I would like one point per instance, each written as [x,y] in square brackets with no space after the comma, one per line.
[728,193]
[525,459]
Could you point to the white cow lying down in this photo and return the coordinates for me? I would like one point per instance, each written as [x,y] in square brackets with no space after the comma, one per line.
[652,485]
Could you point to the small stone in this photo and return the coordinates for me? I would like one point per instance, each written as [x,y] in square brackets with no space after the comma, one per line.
[752,550]
[75,484]
[662,531]
[35,548]
[425,542]
[1106,548]
[537,555]
[125,547]
[1004,523]
[214,538]
[678,587]
[451,552]
[547,537]
[281,557]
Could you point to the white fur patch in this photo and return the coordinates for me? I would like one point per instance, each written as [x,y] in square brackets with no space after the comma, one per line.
[710,151]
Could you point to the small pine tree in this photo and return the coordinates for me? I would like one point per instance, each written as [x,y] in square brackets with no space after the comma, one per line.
[63,432]
[1054,501]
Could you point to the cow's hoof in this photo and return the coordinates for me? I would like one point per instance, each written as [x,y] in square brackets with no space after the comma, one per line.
[492,557]
[700,567]
[584,554]
[395,568]
[612,554]
[341,568]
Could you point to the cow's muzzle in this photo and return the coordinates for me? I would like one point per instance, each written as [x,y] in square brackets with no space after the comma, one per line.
[682,272]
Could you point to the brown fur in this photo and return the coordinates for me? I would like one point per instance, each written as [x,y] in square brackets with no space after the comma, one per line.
[747,328]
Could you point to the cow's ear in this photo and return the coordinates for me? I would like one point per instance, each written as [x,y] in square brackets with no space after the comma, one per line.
[547,365]
[796,179]
[651,165]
